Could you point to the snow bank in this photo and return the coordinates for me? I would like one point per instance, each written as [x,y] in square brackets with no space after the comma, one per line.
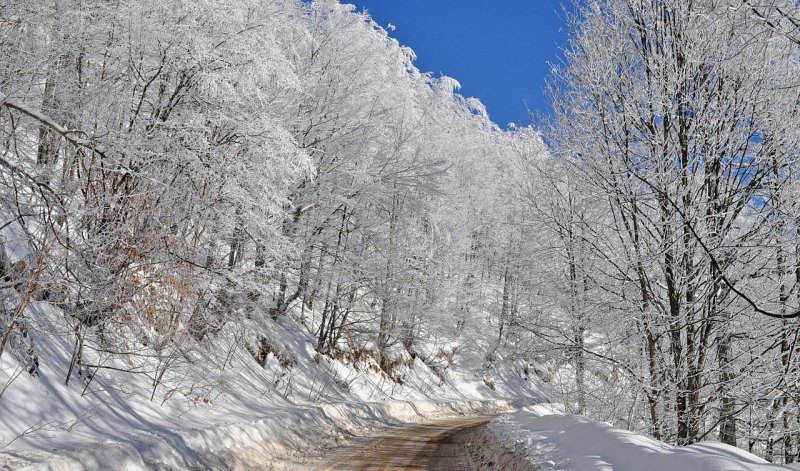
[489,453]
[569,442]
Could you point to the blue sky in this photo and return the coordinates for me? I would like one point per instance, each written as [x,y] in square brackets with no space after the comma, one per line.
[497,50]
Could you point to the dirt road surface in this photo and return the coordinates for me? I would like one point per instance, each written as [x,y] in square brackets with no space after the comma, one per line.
[430,446]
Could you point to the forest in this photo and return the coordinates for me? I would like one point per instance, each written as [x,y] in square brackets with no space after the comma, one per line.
[179,179]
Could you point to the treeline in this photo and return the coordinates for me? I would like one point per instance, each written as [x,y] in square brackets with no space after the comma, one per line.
[675,212]
[171,170]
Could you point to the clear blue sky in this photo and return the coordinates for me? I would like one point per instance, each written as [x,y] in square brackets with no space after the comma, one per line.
[497,50]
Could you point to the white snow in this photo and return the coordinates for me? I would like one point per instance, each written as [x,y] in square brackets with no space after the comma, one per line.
[221,410]
[575,443]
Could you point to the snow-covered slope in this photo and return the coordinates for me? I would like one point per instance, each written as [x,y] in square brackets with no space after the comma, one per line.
[216,407]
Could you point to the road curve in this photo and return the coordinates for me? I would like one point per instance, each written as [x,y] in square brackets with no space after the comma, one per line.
[411,447]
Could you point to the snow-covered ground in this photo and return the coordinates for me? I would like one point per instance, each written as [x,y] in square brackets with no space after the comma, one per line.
[217,408]
[556,441]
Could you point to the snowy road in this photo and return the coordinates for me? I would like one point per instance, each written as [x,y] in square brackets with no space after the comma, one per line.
[432,445]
